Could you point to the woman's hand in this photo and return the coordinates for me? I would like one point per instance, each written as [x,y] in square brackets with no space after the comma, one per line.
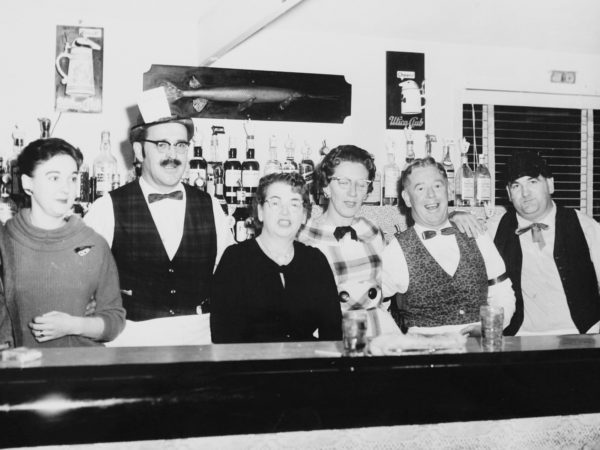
[53,325]
[467,223]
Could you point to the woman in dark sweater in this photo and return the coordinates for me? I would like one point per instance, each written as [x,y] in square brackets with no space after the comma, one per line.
[274,288]
[55,264]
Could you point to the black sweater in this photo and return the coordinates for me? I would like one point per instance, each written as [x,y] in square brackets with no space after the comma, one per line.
[250,304]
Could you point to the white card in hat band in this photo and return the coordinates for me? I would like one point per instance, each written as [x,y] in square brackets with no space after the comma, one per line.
[153,105]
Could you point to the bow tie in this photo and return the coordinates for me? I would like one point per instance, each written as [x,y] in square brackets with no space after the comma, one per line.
[428,234]
[340,232]
[536,232]
[175,195]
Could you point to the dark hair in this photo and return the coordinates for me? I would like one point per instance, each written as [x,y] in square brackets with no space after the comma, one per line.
[418,163]
[525,163]
[295,180]
[42,150]
[342,153]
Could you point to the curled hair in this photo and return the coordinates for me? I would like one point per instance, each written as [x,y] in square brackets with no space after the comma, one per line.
[418,163]
[294,180]
[42,150]
[342,153]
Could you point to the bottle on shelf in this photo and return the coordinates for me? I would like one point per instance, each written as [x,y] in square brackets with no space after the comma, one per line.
[44,127]
[374,197]
[219,184]
[272,165]
[391,173]
[83,184]
[241,218]
[233,172]
[410,147]
[197,164]
[306,167]
[465,182]
[449,167]
[13,184]
[429,140]
[250,167]
[105,166]
[289,165]
[213,160]
[483,183]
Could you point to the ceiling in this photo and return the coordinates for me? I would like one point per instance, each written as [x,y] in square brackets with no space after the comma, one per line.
[557,25]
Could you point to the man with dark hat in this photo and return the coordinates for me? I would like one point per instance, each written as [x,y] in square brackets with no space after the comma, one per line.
[166,237]
[552,255]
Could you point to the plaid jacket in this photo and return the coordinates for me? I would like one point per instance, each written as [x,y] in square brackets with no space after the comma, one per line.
[352,262]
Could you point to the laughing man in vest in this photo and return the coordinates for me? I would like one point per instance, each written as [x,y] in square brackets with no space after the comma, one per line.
[552,254]
[166,237]
[442,276]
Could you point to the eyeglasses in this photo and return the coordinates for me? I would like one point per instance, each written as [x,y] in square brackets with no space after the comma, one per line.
[294,205]
[360,185]
[164,146]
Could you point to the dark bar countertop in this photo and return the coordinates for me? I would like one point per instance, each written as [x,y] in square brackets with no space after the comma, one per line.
[86,395]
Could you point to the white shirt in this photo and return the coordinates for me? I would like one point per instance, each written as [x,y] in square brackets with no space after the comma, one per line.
[168,216]
[444,249]
[545,305]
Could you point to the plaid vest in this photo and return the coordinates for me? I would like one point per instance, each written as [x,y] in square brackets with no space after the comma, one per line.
[160,287]
[573,261]
[435,298]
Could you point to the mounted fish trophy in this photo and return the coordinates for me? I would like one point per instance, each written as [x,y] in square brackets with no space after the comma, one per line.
[208,92]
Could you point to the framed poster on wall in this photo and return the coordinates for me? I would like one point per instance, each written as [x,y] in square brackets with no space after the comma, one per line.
[78,64]
[405,90]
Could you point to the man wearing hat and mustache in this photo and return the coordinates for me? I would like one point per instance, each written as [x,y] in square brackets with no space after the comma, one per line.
[166,236]
[552,254]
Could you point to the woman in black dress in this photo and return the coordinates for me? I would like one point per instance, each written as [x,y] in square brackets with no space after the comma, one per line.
[273,288]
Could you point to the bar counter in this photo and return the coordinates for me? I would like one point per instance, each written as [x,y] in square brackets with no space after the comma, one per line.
[88,395]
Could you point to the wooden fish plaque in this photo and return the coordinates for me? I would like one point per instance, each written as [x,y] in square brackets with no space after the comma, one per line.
[208,92]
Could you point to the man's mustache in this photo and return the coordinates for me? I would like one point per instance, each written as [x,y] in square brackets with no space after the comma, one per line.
[170,161]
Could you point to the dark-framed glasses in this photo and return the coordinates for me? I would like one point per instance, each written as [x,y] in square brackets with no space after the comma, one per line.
[294,205]
[359,185]
[164,146]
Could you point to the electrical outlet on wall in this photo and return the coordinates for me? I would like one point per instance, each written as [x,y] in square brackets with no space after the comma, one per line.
[560,76]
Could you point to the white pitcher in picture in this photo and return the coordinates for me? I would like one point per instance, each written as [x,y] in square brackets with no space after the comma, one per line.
[80,78]
[413,97]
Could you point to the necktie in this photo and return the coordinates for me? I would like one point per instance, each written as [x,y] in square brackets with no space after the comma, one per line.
[428,234]
[536,232]
[175,195]
[340,232]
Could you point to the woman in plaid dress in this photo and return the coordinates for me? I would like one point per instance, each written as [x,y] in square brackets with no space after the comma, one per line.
[352,244]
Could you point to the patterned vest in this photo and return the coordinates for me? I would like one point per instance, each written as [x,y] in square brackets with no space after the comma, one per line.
[573,261]
[435,298]
[161,287]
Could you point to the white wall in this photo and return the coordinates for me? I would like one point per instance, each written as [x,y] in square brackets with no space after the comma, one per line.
[133,41]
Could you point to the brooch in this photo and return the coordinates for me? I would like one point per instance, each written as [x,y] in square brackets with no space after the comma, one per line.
[83,250]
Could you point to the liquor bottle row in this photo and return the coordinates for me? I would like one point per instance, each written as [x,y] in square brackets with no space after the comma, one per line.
[235,180]
[466,187]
